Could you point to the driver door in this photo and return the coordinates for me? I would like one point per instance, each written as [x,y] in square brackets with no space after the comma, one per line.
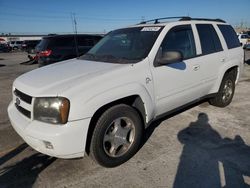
[178,83]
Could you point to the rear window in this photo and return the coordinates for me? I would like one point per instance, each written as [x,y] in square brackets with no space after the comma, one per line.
[229,36]
[209,39]
[42,44]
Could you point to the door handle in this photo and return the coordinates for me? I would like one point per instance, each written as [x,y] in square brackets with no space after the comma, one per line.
[148,80]
[222,60]
[196,67]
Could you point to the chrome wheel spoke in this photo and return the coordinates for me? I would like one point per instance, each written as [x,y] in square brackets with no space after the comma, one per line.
[119,137]
[113,149]
[227,91]
[108,138]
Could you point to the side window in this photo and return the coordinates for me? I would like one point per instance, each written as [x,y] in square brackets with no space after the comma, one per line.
[61,42]
[210,42]
[229,36]
[180,38]
[85,41]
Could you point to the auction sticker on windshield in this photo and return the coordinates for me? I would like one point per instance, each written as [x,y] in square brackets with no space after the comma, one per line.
[151,28]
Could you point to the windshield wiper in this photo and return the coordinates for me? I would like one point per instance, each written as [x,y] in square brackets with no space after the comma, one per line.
[89,55]
[108,56]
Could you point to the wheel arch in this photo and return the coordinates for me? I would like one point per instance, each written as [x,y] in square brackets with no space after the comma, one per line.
[134,100]
[232,69]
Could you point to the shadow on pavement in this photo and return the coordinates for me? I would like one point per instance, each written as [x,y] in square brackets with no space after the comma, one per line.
[204,149]
[23,173]
[13,153]
[150,129]
[2,65]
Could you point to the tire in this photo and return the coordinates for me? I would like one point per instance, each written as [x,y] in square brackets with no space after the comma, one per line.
[117,136]
[226,92]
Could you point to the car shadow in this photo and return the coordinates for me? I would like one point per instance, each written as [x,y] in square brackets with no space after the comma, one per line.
[13,153]
[153,125]
[23,173]
[208,160]
[2,65]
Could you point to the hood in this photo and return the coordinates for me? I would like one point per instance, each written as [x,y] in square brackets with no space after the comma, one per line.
[53,79]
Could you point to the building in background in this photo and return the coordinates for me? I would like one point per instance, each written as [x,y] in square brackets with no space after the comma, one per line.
[7,38]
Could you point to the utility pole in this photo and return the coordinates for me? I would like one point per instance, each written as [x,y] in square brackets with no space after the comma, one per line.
[74,24]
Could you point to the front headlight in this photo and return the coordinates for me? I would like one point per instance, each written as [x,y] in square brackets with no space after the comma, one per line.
[51,109]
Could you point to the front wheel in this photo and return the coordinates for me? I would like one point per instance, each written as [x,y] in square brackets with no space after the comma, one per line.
[117,136]
[226,91]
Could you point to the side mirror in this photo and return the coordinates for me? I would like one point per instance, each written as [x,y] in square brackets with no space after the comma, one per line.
[169,57]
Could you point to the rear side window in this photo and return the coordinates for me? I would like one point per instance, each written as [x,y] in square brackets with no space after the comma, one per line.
[85,41]
[42,44]
[229,36]
[180,38]
[210,42]
[61,42]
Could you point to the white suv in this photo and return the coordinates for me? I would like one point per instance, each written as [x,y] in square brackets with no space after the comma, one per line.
[244,40]
[102,102]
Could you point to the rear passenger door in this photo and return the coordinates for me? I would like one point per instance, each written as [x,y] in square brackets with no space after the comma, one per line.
[211,58]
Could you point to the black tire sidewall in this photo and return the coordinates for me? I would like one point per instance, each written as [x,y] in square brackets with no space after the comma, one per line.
[220,101]
[97,150]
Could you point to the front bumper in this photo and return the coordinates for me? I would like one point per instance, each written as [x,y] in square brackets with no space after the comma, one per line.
[68,140]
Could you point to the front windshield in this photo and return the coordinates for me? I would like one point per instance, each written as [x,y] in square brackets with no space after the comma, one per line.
[128,45]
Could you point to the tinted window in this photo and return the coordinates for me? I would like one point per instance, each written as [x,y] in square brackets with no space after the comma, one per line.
[209,39]
[61,42]
[229,36]
[181,39]
[85,41]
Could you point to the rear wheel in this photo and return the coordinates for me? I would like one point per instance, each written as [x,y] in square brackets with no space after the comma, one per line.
[226,91]
[117,136]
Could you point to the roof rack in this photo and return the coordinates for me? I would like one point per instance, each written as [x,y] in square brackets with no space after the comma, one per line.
[202,19]
[181,18]
[156,21]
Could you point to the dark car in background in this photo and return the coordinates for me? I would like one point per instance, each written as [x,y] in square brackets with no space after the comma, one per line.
[56,48]
[4,47]
[30,45]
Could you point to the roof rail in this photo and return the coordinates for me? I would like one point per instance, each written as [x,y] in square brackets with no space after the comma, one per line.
[182,18]
[202,19]
[156,21]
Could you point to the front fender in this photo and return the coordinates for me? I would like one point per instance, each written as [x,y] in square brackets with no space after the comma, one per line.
[85,108]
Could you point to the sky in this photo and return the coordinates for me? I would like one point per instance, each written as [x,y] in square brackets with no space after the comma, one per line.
[55,16]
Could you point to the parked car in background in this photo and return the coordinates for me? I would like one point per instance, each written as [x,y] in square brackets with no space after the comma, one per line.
[29,46]
[4,47]
[15,45]
[56,48]
[244,39]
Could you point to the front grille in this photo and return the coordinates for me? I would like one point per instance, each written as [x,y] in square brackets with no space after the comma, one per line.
[23,111]
[23,96]
[22,108]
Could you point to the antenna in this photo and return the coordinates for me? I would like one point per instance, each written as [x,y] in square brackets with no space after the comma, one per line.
[74,24]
